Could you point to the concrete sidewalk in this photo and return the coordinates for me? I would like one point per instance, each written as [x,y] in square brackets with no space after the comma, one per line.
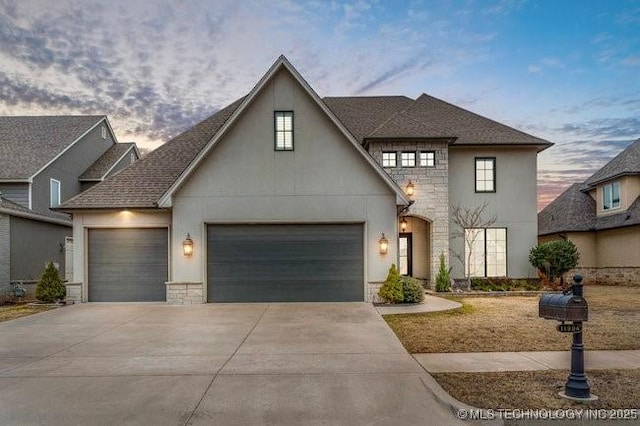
[481,362]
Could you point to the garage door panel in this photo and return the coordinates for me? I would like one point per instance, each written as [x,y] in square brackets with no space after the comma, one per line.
[254,263]
[127,265]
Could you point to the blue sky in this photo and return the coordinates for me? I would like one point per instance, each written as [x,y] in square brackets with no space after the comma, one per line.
[567,71]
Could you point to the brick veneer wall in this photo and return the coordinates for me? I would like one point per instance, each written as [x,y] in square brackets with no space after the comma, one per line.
[623,276]
[431,189]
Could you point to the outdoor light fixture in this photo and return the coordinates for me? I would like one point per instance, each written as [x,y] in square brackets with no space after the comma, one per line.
[187,246]
[403,224]
[410,188]
[384,244]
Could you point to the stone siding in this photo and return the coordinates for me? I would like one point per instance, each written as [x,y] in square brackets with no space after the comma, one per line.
[431,193]
[372,292]
[184,293]
[622,276]
[74,293]
[5,259]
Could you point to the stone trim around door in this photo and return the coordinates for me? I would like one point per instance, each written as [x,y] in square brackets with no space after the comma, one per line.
[184,293]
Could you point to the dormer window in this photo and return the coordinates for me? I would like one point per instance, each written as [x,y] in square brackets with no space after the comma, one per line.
[284,130]
[104,132]
[611,196]
[132,157]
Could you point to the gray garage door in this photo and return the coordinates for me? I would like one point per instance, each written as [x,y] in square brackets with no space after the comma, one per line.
[285,263]
[127,265]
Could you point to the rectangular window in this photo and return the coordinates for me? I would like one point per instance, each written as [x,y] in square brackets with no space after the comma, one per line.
[132,157]
[54,187]
[284,130]
[611,196]
[485,175]
[388,159]
[408,159]
[104,132]
[486,252]
[428,159]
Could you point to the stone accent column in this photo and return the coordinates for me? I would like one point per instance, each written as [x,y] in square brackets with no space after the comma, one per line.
[431,190]
[184,293]
[74,293]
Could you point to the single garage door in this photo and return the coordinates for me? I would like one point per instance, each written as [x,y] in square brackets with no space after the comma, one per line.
[127,265]
[285,263]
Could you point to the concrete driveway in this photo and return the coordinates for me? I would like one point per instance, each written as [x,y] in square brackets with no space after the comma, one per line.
[301,363]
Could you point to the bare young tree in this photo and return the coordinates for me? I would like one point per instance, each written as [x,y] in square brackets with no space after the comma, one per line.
[466,219]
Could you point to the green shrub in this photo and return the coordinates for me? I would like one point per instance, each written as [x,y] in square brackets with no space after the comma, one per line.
[412,290]
[391,289]
[443,279]
[554,258]
[50,288]
[504,284]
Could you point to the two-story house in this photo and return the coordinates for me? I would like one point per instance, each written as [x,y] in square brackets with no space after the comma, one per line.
[44,161]
[601,216]
[285,196]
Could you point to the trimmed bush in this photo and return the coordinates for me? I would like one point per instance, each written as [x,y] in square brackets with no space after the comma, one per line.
[50,288]
[554,258]
[391,289]
[443,279]
[412,290]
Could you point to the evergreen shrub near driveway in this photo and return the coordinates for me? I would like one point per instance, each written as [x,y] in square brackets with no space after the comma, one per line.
[50,288]
[412,290]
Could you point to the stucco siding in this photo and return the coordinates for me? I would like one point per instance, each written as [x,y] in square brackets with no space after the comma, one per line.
[513,204]
[5,255]
[244,180]
[33,244]
[67,168]
[619,247]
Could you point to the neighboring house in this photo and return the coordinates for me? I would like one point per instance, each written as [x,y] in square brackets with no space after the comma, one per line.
[44,161]
[601,216]
[284,196]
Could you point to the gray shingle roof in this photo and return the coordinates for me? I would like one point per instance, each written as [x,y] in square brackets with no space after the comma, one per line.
[143,183]
[97,170]
[426,117]
[575,210]
[625,163]
[28,143]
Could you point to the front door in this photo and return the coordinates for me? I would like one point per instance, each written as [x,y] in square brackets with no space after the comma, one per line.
[404,261]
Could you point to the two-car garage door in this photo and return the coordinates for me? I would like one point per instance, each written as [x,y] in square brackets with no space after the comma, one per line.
[285,263]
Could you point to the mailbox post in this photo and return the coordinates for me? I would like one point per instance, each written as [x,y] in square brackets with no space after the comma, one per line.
[571,307]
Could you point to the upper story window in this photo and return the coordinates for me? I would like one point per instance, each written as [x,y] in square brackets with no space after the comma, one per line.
[611,196]
[428,159]
[284,130]
[132,157]
[54,190]
[103,130]
[389,159]
[486,174]
[408,159]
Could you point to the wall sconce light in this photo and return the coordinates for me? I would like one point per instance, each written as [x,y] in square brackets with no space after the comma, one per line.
[410,188]
[384,244]
[187,246]
[403,224]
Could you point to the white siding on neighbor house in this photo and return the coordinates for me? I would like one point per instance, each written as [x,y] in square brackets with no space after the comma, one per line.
[514,203]
[108,219]
[244,180]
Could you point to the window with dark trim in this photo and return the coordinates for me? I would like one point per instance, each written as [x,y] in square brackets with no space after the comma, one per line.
[486,252]
[408,159]
[283,123]
[611,196]
[485,173]
[389,159]
[427,159]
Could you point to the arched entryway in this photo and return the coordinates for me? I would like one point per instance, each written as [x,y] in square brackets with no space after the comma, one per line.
[414,247]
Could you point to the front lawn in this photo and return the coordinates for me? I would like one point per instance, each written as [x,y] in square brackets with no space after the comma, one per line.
[511,324]
[10,312]
[539,389]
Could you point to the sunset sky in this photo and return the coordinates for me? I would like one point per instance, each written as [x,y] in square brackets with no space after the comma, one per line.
[567,71]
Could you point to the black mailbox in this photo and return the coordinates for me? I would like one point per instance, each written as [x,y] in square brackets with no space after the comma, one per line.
[563,307]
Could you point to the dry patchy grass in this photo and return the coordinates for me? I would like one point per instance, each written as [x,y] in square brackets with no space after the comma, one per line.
[10,312]
[506,324]
[539,389]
